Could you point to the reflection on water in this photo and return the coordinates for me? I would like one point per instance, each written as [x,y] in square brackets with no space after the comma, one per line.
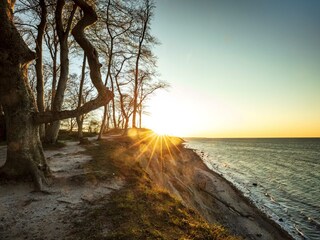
[282,176]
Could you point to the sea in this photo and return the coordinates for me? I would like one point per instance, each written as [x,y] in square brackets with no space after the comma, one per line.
[280,176]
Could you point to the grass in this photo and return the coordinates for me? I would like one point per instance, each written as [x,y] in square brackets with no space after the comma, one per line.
[140,210]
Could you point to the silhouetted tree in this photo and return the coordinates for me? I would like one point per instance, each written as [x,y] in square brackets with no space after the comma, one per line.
[63,35]
[24,153]
[142,33]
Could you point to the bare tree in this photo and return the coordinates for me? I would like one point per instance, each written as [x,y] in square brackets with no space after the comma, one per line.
[24,154]
[144,15]
[63,35]
[116,20]
[39,61]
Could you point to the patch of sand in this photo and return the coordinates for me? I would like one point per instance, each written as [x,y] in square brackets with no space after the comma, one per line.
[25,214]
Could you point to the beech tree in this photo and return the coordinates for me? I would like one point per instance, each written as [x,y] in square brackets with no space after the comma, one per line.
[25,156]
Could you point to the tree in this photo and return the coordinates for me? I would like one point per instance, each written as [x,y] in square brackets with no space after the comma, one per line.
[39,61]
[52,44]
[35,10]
[80,118]
[25,156]
[144,15]
[63,35]
[116,20]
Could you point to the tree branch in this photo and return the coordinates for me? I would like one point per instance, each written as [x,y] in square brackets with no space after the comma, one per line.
[51,116]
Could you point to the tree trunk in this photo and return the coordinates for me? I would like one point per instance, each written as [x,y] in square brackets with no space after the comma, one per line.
[25,156]
[114,119]
[103,124]
[80,118]
[39,63]
[140,117]
[145,24]
[53,129]
[54,74]
[80,126]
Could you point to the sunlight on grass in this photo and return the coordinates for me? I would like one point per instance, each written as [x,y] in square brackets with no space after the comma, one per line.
[141,209]
[154,150]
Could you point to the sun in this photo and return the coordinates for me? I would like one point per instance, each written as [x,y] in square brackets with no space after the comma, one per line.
[170,115]
[161,125]
[160,130]
[167,117]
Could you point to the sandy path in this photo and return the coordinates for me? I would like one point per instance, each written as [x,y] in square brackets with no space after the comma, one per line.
[25,214]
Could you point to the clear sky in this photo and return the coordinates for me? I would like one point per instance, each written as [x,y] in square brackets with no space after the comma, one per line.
[238,68]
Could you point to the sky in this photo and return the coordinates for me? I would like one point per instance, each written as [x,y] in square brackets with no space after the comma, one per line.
[237,68]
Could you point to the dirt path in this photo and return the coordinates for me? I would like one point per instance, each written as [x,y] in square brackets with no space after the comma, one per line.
[25,214]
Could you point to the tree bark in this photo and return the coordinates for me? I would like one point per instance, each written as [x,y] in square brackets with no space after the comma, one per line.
[24,153]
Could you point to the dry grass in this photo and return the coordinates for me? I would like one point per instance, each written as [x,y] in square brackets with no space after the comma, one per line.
[140,210]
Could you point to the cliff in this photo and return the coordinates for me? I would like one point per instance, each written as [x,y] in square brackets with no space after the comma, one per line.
[186,176]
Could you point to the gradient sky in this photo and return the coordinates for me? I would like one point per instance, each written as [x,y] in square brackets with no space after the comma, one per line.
[238,68]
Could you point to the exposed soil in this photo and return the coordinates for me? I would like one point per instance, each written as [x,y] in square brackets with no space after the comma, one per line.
[50,214]
[213,197]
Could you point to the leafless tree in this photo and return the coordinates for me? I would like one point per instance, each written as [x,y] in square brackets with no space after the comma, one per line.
[24,153]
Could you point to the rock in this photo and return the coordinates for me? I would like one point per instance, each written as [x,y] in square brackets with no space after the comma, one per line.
[280,220]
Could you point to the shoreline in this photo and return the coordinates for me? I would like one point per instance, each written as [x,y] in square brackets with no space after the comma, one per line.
[242,196]
[240,192]
[214,197]
[182,172]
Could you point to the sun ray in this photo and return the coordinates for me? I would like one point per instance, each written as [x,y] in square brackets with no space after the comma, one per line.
[147,146]
[153,150]
[169,149]
[143,139]
[174,145]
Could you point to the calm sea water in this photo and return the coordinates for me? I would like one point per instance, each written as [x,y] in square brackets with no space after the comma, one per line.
[281,176]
